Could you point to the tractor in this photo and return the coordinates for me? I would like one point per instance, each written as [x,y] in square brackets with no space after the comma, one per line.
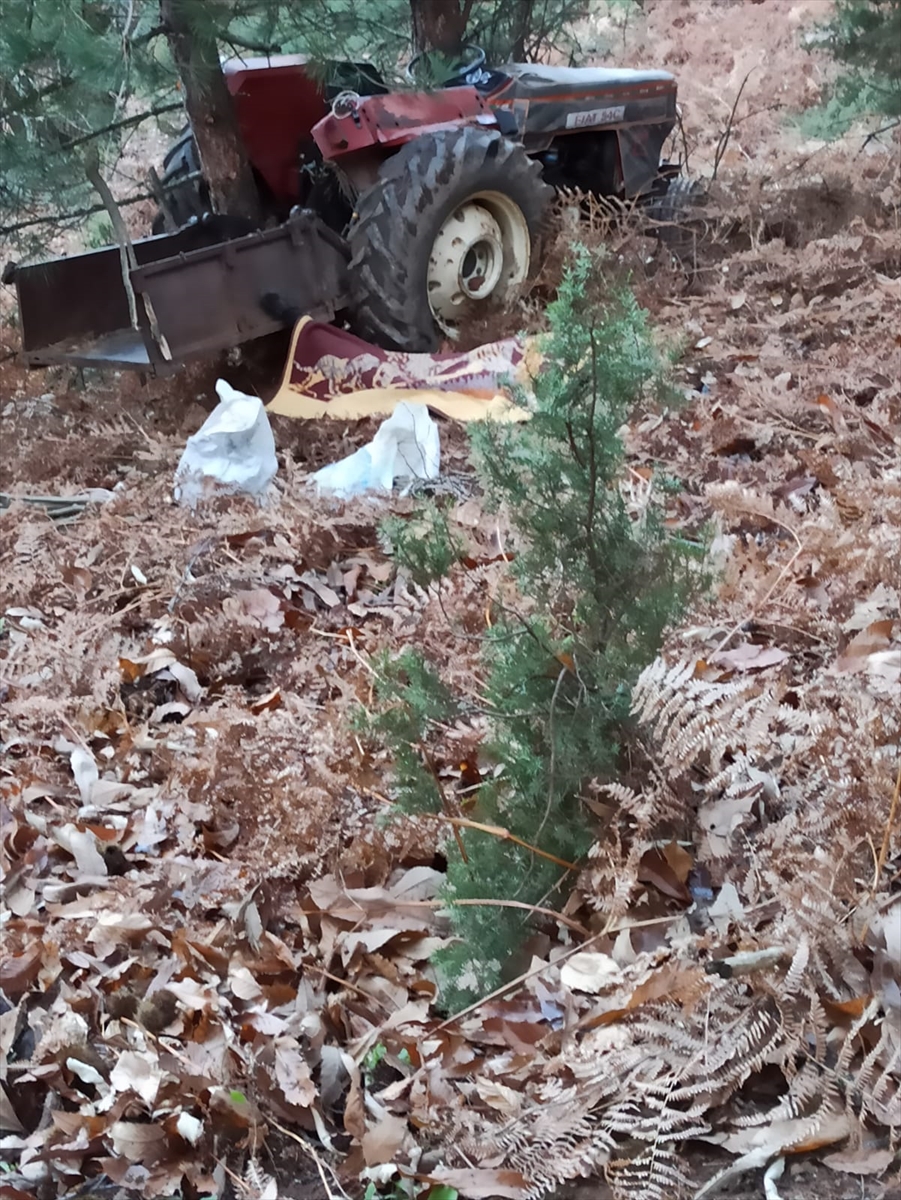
[400,212]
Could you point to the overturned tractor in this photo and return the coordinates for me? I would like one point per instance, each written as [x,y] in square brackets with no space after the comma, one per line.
[398,212]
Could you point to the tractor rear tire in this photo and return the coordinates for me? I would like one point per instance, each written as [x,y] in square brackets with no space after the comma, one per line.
[187,200]
[676,216]
[449,230]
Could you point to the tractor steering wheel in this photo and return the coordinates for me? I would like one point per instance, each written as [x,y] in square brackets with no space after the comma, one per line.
[459,70]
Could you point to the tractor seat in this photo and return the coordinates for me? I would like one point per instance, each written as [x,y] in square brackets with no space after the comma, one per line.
[531,81]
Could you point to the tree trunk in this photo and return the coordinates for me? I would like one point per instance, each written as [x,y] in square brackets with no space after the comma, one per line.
[210,110]
[439,25]
[521,28]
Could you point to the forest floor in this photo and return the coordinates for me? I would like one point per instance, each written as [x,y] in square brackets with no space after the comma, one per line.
[215,949]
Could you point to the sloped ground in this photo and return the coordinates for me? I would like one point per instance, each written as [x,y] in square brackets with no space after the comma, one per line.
[216,952]
[208,927]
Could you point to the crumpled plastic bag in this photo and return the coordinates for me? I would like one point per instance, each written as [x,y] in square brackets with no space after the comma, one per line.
[233,451]
[405,448]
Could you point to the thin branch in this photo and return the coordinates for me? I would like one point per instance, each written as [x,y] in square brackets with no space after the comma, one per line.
[759,605]
[684,139]
[512,986]
[233,40]
[590,546]
[123,124]
[144,38]
[58,85]
[321,1165]
[505,835]
[883,852]
[878,133]
[534,908]
[162,200]
[61,218]
[489,902]
[886,839]
[494,830]
[505,988]
[444,801]
[553,745]
[127,258]
[727,132]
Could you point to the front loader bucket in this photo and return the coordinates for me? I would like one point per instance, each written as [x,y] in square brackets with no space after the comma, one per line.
[197,292]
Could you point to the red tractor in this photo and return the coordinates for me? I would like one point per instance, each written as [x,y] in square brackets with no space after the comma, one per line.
[403,210]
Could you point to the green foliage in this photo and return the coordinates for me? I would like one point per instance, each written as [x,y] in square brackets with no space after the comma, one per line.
[412,702]
[374,1057]
[427,546]
[72,74]
[63,76]
[76,76]
[406,1189]
[599,586]
[864,37]
[98,231]
[528,30]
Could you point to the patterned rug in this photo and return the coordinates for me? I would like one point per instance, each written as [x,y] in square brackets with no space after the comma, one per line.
[332,373]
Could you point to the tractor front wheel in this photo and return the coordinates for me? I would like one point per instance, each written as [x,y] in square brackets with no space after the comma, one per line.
[449,230]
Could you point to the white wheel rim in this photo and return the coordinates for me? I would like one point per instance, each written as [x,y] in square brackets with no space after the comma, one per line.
[482,251]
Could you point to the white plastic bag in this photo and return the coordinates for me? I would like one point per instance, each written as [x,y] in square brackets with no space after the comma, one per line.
[406,447]
[232,451]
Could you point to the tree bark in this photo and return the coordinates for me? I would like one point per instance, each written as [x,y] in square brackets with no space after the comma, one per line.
[208,103]
[439,24]
[521,29]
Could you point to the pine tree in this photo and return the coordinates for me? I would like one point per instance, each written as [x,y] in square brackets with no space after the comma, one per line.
[507,31]
[67,75]
[193,44]
[864,37]
[75,73]
[599,587]
[80,72]
[439,24]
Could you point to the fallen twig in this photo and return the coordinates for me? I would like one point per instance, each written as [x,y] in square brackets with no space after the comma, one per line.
[321,1166]
[60,509]
[485,902]
[494,830]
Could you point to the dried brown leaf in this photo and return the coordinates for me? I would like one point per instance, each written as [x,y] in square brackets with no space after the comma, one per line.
[19,971]
[863,1161]
[383,1141]
[749,657]
[137,1141]
[655,868]
[322,591]
[258,607]
[138,1072]
[292,1073]
[481,1183]
[876,637]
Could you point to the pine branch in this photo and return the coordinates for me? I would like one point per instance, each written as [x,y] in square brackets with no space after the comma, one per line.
[125,123]
[233,40]
[58,85]
[60,218]
[126,249]
[144,38]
